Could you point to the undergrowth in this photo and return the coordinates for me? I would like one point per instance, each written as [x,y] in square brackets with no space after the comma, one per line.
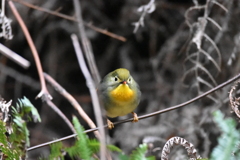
[14,135]
[86,148]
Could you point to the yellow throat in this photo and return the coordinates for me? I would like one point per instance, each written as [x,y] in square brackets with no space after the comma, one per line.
[122,93]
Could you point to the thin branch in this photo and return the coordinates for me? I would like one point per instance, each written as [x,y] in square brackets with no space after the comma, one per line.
[74,103]
[103,31]
[93,92]
[86,44]
[215,23]
[59,112]
[44,94]
[147,115]
[220,5]
[14,56]
[106,32]
[5,70]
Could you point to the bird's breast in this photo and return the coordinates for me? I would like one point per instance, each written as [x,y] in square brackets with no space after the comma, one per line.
[122,93]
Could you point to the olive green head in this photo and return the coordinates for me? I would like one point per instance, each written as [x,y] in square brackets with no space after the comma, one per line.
[117,77]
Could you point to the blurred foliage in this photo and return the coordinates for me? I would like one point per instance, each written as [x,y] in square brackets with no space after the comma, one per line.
[228,142]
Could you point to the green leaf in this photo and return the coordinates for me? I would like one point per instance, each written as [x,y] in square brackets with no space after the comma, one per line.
[123,156]
[94,146]
[5,146]
[56,151]
[3,138]
[28,107]
[113,148]
[139,153]
[151,158]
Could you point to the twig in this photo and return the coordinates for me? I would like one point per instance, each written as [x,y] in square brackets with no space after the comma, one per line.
[19,77]
[70,98]
[14,56]
[148,115]
[106,32]
[59,112]
[93,92]
[145,9]
[44,94]
[86,44]
[103,31]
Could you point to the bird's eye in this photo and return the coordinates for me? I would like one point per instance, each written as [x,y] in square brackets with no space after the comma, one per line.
[115,79]
[129,79]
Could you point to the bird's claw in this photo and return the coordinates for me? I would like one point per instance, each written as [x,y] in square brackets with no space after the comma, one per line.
[110,125]
[135,117]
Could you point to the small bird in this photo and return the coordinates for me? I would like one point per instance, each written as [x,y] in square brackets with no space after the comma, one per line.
[120,94]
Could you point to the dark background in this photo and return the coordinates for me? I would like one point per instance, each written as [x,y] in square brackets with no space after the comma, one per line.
[155,55]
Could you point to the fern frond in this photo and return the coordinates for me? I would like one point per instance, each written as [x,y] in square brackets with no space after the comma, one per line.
[123,156]
[228,141]
[81,148]
[24,107]
[56,151]
[113,148]
[179,141]
[203,58]
[139,153]
[94,146]
[6,151]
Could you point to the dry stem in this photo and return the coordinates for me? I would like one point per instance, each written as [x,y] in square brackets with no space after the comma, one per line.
[44,94]
[71,99]
[103,31]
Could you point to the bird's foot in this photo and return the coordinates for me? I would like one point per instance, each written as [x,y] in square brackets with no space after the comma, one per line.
[135,117]
[110,125]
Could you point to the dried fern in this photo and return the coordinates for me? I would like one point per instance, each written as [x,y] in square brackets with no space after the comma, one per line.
[234,101]
[204,58]
[192,152]
[6,29]
[144,9]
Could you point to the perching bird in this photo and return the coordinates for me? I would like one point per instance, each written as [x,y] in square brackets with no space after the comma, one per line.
[120,94]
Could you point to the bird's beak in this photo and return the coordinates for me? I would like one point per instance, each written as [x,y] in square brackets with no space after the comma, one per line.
[124,82]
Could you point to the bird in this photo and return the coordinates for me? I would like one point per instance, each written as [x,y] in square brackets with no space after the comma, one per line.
[120,94]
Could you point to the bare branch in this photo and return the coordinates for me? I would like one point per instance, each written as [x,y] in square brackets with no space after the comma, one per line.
[148,8]
[93,92]
[55,13]
[44,94]
[70,98]
[59,112]
[14,56]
